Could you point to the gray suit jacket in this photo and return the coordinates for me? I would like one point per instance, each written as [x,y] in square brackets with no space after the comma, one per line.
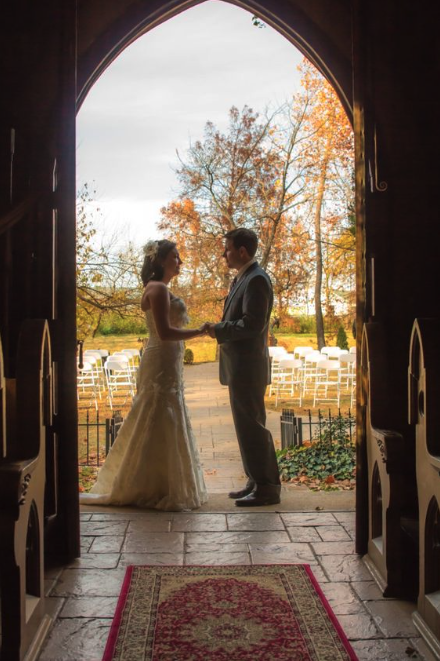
[242,333]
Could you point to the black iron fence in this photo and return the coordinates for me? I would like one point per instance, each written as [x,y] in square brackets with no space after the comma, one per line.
[317,427]
[96,436]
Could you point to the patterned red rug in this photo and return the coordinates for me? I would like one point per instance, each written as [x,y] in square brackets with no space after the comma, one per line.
[232,613]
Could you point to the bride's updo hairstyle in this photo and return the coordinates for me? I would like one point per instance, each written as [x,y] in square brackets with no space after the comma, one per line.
[155,253]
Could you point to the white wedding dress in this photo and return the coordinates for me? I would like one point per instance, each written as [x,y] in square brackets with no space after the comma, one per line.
[154,462]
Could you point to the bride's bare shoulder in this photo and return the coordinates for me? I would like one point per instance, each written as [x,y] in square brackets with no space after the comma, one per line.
[154,291]
[155,287]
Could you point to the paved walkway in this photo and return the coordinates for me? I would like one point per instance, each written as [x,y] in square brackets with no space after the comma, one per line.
[211,419]
[312,528]
[213,427]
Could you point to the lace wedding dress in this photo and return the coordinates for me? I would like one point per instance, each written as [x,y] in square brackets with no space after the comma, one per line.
[154,462]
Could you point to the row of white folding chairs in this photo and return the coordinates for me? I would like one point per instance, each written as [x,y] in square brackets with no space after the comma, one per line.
[330,352]
[88,383]
[324,379]
[120,371]
[312,358]
[117,375]
[302,352]
[317,375]
[120,377]
[95,358]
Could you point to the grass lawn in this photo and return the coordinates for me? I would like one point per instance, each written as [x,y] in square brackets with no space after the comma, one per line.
[289,342]
[204,348]
[307,405]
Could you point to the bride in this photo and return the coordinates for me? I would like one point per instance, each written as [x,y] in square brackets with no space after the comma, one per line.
[154,461]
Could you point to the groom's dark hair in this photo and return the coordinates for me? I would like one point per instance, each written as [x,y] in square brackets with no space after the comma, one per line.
[244,237]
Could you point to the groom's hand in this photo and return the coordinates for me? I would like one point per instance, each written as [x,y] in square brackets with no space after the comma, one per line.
[210,330]
[203,329]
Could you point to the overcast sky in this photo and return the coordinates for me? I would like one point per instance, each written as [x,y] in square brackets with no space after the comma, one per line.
[159,93]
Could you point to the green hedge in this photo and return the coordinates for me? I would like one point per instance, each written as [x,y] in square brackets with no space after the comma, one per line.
[116,326]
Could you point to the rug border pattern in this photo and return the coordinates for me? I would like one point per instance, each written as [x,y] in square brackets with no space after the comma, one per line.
[124,606]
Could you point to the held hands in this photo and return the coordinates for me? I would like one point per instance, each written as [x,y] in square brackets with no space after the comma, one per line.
[203,329]
[210,330]
[207,329]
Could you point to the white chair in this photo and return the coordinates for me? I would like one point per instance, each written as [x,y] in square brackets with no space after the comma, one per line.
[289,379]
[331,352]
[275,368]
[134,355]
[104,355]
[95,360]
[327,382]
[119,378]
[97,354]
[352,350]
[301,352]
[133,366]
[86,383]
[276,351]
[353,391]
[134,352]
[311,362]
[348,369]
[125,358]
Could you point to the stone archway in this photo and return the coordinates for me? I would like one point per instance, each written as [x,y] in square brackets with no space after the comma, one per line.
[330,53]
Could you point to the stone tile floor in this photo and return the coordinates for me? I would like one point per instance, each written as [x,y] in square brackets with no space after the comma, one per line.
[308,527]
[85,593]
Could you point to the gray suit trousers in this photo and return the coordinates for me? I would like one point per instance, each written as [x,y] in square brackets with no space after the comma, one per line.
[255,441]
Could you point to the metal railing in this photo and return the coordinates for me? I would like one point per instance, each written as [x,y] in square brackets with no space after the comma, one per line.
[297,429]
[99,437]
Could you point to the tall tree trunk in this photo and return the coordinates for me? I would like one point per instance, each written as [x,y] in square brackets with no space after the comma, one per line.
[318,280]
[318,246]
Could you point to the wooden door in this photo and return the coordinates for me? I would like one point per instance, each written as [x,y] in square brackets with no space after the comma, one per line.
[37,229]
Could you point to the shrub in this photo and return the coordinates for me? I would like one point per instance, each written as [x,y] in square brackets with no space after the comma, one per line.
[341,338]
[188,357]
[307,324]
[329,458]
[115,325]
[304,324]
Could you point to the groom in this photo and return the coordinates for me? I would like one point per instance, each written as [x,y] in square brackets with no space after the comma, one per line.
[245,367]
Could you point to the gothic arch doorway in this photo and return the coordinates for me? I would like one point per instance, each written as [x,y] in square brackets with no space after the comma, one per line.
[330,56]
[49,63]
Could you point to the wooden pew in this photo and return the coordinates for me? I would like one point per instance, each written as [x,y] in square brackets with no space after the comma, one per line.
[424,413]
[27,413]
[392,548]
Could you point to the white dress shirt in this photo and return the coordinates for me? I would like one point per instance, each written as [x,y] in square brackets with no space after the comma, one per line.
[244,268]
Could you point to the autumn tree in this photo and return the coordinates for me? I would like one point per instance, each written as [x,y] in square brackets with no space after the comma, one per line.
[328,178]
[107,275]
[250,176]
[288,176]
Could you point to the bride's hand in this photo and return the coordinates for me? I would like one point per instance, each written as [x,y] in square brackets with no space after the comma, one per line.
[203,329]
[208,329]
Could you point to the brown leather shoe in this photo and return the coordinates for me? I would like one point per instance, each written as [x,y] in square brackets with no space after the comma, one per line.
[242,493]
[257,500]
